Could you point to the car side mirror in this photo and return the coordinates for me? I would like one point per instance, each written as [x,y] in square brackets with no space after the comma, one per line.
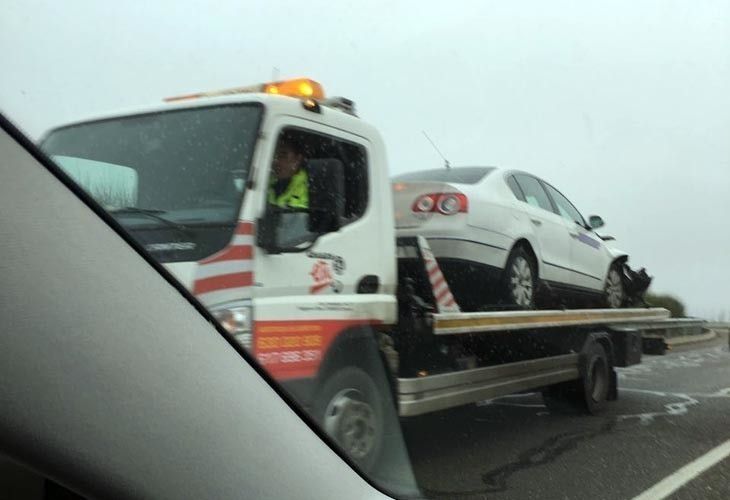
[326,195]
[595,221]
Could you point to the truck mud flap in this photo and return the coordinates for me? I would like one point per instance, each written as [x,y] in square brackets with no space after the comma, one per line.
[627,344]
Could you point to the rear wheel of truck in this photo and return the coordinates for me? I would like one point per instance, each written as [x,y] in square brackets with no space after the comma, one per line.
[350,408]
[589,394]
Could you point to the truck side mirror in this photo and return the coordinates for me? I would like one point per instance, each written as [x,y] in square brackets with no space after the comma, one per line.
[595,221]
[326,195]
[266,230]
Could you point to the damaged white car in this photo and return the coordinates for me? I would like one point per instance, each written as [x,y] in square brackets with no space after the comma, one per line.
[527,243]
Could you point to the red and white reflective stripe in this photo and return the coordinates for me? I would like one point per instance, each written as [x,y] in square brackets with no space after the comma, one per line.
[228,274]
[441,291]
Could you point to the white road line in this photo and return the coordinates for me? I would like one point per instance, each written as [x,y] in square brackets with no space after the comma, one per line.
[682,476]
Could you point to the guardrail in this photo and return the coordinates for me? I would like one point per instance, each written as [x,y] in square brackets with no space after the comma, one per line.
[668,328]
[658,336]
[718,325]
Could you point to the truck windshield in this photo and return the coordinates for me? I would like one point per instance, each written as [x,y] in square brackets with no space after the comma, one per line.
[174,179]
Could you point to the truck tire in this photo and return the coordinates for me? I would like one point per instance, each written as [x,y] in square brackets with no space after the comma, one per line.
[589,394]
[350,407]
[519,282]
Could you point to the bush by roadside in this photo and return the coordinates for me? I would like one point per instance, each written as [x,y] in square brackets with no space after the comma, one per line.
[670,302]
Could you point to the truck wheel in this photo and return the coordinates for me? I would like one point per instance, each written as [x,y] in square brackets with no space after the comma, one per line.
[615,296]
[588,394]
[350,409]
[597,379]
[520,279]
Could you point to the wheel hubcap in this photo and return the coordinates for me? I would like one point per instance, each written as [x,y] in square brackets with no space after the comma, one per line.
[614,289]
[352,423]
[521,282]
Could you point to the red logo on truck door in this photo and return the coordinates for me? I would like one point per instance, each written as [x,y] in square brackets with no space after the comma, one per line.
[322,275]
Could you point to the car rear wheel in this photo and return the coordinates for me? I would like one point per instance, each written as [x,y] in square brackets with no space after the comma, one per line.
[614,294]
[520,279]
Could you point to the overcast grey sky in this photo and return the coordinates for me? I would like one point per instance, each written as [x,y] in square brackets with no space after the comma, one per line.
[623,105]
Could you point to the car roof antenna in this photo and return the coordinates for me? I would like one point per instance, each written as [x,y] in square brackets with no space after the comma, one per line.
[447,164]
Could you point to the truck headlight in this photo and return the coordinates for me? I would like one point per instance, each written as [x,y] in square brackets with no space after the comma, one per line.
[237,320]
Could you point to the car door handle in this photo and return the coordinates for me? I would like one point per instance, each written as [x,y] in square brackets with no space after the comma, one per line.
[574,235]
[537,222]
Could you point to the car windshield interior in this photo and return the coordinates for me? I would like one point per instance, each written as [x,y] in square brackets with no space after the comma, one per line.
[417,221]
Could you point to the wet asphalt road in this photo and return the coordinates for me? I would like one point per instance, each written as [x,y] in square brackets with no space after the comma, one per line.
[671,410]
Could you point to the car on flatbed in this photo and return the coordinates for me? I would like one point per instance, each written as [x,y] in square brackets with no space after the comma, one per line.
[525,241]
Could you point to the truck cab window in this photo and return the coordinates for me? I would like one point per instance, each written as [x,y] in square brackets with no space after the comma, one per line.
[290,181]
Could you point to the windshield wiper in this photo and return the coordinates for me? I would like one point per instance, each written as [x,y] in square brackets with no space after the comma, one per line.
[153,214]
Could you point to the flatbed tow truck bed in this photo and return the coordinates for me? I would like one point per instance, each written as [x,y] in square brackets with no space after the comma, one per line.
[569,354]
[429,393]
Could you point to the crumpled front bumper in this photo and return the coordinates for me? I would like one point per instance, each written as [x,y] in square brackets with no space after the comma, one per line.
[636,283]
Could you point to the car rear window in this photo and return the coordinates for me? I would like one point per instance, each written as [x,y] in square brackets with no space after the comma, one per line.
[461,175]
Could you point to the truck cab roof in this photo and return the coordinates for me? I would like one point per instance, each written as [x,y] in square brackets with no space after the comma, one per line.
[274,105]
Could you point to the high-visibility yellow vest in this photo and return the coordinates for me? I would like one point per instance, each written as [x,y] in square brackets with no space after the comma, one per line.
[296,194]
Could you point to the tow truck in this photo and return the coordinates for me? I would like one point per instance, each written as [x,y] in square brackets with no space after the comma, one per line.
[350,318]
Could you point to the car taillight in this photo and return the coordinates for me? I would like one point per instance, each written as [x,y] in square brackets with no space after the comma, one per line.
[443,203]
[424,203]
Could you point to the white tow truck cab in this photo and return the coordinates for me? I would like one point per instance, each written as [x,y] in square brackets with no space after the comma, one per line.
[325,295]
